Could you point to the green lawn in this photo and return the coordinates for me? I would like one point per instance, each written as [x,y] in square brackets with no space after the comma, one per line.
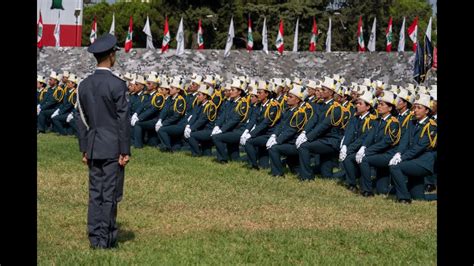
[183,210]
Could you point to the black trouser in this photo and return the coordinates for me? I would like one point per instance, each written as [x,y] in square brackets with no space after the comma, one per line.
[326,153]
[170,134]
[44,119]
[351,169]
[408,178]
[276,164]
[106,178]
[382,180]
[145,126]
[257,152]
[59,122]
[227,145]
[200,142]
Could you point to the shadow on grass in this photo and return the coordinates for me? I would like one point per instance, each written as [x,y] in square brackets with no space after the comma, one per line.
[124,235]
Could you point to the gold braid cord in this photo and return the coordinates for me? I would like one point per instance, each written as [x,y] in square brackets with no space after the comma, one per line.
[210,110]
[295,119]
[158,101]
[426,128]
[71,98]
[61,94]
[277,114]
[394,136]
[175,106]
[243,112]
[336,121]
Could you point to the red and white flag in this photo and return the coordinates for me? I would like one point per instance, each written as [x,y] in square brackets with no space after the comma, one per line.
[360,36]
[40,32]
[128,41]
[314,37]
[200,39]
[93,35]
[412,32]
[166,37]
[279,40]
[388,34]
[249,36]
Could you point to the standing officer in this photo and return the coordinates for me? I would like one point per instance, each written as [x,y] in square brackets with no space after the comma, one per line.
[104,140]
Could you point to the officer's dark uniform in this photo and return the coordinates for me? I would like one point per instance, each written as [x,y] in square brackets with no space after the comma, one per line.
[266,118]
[431,180]
[171,117]
[291,123]
[232,127]
[380,147]
[324,139]
[49,101]
[417,159]
[201,123]
[67,106]
[148,114]
[354,137]
[103,105]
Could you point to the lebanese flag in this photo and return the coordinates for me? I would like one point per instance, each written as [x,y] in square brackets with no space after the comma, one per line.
[40,32]
[166,37]
[314,37]
[388,34]
[128,41]
[360,36]
[93,35]
[412,32]
[279,40]
[200,39]
[249,36]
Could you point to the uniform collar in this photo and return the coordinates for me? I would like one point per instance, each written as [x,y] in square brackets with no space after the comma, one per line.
[406,111]
[204,103]
[104,68]
[422,121]
[435,117]
[174,97]
[387,117]
[311,98]
[153,92]
[194,93]
[266,102]
[328,101]
[237,99]
[345,103]
[364,115]
[140,93]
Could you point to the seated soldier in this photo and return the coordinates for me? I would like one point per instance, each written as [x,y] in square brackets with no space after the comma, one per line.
[282,141]
[199,127]
[226,134]
[59,116]
[50,98]
[354,136]
[147,113]
[325,136]
[379,146]
[267,116]
[414,159]
[169,126]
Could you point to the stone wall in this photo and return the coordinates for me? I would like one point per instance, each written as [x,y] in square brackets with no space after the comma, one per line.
[392,68]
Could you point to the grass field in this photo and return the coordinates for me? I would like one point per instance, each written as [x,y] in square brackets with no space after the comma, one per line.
[183,210]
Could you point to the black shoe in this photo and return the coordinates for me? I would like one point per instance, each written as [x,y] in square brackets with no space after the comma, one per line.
[352,188]
[430,188]
[404,201]
[367,194]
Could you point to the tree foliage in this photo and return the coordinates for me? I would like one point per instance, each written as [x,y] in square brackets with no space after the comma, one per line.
[216,15]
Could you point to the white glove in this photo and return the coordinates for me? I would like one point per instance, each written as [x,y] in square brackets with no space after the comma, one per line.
[133,121]
[360,154]
[343,153]
[55,113]
[38,109]
[69,117]
[244,137]
[158,125]
[187,132]
[301,139]
[396,159]
[271,141]
[216,130]
[189,118]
